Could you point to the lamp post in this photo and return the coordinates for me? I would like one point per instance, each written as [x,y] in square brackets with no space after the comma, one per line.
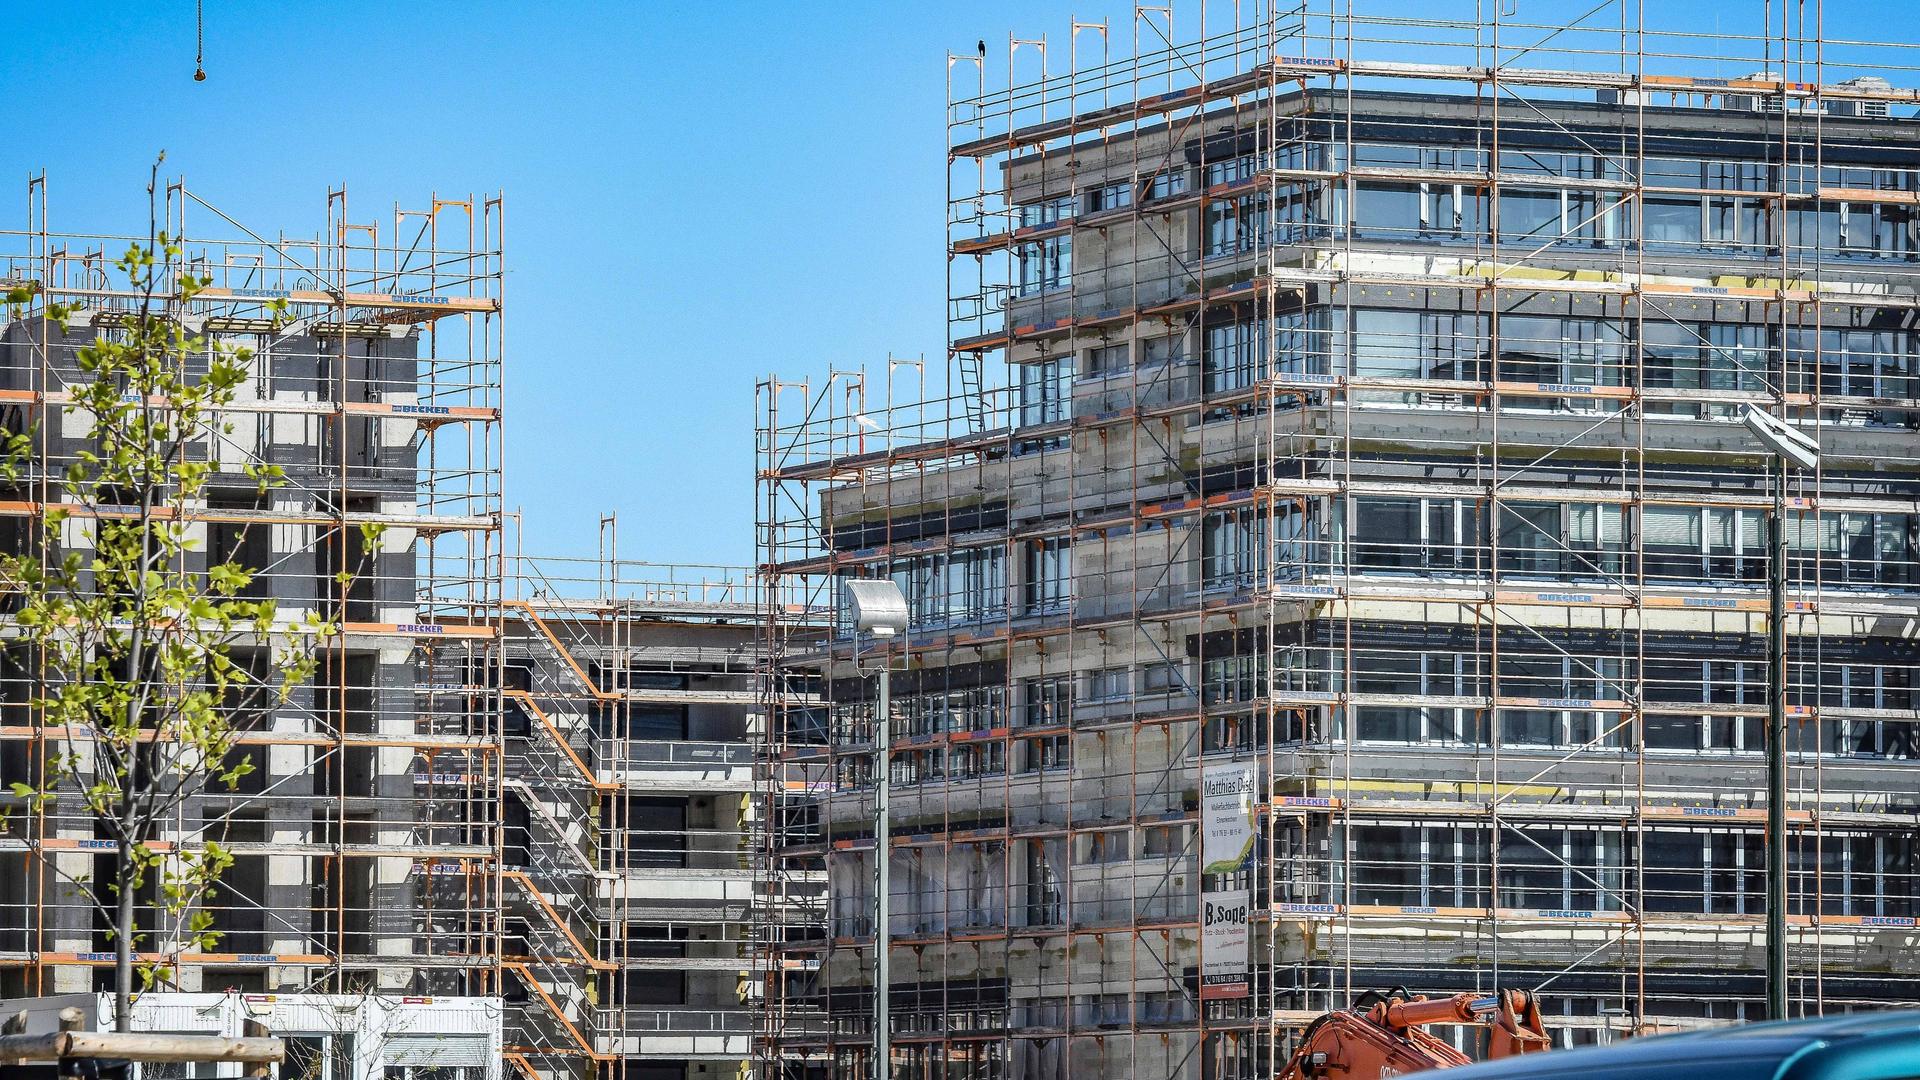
[880,608]
[1788,447]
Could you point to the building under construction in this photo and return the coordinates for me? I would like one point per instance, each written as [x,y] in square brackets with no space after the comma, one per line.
[631,887]
[511,777]
[364,842]
[1335,556]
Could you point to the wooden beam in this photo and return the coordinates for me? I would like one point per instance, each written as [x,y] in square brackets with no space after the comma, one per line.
[139,1046]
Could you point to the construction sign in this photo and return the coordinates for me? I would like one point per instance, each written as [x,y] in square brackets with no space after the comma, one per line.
[1224,920]
[1227,800]
[1226,816]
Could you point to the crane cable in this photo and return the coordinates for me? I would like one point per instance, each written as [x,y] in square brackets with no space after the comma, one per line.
[199,40]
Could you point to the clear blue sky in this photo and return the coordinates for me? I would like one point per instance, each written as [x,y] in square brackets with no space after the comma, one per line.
[698,194]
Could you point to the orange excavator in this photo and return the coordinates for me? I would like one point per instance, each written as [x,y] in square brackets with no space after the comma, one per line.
[1383,1034]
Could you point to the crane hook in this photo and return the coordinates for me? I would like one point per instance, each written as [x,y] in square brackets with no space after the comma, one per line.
[200,40]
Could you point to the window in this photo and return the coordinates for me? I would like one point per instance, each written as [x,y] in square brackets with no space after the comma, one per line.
[1562,540]
[1714,689]
[1110,196]
[1863,686]
[656,721]
[1045,265]
[1531,216]
[1855,363]
[1557,868]
[1168,183]
[1735,684]
[1046,391]
[1672,360]
[1163,841]
[1736,359]
[1234,677]
[1047,754]
[1529,538]
[949,587]
[1107,684]
[1735,879]
[650,986]
[1049,700]
[656,831]
[1853,548]
[1045,891]
[971,760]
[1433,209]
[1107,360]
[1558,349]
[1675,873]
[1233,548]
[1596,537]
[1736,221]
[1237,224]
[1669,682]
[1234,355]
[1403,673]
[1387,343]
[1230,170]
[1234,732]
[1455,539]
[976,708]
[1672,542]
[309,1057]
[1671,220]
[1049,576]
[1392,674]
[1103,847]
[1049,211]
[1409,865]
[1387,863]
[918,766]
[1565,690]
[1386,532]
[241,543]
[1163,678]
[1857,229]
[1391,210]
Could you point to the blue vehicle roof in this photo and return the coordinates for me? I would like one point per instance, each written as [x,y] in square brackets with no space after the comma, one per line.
[1854,1046]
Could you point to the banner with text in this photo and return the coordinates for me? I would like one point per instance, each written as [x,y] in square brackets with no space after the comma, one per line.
[1226,816]
[1224,918]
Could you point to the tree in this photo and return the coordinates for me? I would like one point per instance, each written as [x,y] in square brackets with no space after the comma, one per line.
[154,662]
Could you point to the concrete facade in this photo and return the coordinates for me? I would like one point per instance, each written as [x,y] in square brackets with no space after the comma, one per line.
[364,836]
[1391,454]
[631,812]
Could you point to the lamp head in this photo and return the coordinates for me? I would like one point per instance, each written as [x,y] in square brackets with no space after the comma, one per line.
[1781,438]
[879,607]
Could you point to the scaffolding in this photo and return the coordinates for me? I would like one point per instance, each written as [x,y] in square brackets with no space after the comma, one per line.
[365,843]
[1353,401]
[632,810]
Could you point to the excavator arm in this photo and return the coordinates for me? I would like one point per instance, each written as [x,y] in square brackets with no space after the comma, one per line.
[1384,1034]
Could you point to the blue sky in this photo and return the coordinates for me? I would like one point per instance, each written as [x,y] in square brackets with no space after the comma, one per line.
[697,194]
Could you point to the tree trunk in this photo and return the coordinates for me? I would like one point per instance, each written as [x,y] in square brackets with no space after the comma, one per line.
[123,944]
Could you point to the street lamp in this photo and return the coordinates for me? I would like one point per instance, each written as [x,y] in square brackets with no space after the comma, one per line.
[880,608]
[1788,446]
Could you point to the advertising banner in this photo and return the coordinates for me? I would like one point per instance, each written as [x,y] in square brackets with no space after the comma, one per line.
[1224,918]
[1226,816]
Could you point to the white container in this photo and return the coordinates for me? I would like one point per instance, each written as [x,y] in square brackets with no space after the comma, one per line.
[328,1036]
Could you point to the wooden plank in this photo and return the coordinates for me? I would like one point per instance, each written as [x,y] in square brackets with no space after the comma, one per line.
[139,1046]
